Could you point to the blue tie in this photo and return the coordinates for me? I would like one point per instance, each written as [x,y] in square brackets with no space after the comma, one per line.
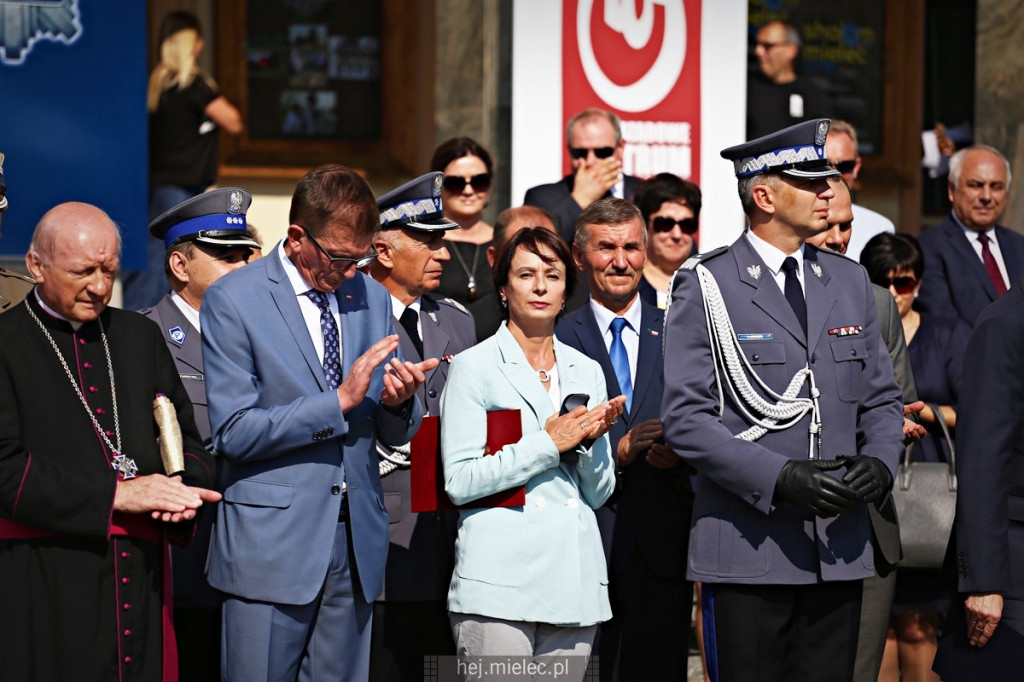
[794,293]
[332,346]
[620,360]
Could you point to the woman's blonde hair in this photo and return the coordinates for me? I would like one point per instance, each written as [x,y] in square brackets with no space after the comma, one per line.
[177,67]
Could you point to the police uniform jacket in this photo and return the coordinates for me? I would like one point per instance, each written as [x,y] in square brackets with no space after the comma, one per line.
[13,288]
[421,553]
[741,533]
[542,562]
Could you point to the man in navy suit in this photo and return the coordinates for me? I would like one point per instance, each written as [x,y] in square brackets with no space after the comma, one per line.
[410,619]
[595,144]
[780,392]
[303,378]
[970,260]
[651,598]
[196,258]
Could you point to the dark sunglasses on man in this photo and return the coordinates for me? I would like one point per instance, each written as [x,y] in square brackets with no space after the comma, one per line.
[845,167]
[599,152]
[665,224]
[456,184]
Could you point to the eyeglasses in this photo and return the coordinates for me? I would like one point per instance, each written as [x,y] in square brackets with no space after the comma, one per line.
[845,167]
[901,285]
[456,184]
[338,263]
[599,152]
[767,46]
[665,224]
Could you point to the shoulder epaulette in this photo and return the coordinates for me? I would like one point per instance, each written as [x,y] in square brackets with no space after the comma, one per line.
[16,275]
[454,304]
[691,262]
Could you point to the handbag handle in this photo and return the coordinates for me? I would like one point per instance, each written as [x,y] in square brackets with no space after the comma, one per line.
[905,472]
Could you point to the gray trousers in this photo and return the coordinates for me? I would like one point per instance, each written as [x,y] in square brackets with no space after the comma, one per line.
[875,610]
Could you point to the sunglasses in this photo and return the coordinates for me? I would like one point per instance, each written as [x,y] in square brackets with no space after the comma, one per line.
[768,46]
[339,263]
[456,184]
[901,285]
[599,152]
[665,224]
[845,167]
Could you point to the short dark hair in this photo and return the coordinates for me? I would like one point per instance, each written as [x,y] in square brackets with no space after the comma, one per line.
[329,195]
[610,211]
[187,249]
[531,239]
[456,148]
[887,252]
[666,187]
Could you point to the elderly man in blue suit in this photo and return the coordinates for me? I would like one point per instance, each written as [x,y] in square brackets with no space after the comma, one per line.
[651,598]
[970,260]
[781,394]
[303,376]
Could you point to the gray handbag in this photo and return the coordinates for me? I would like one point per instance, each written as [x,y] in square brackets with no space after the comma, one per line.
[925,499]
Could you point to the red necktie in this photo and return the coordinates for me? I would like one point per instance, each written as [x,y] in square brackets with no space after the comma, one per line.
[991,265]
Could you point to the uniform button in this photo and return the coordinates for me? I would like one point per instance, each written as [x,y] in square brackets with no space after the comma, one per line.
[572,503]
[432,393]
[125,581]
[100,410]
[335,489]
[127,633]
[756,357]
[125,555]
[93,389]
[109,432]
[127,607]
[853,351]
[127,659]
[755,495]
[87,365]
[540,502]
[81,342]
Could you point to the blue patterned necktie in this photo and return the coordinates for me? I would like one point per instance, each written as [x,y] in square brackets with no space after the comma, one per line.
[332,345]
[620,360]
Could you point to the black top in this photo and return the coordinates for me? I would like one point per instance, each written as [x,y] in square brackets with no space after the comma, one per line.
[467,258]
[182,140]
[769,107]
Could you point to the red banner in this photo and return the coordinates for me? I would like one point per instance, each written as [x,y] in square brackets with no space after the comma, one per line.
[640,59]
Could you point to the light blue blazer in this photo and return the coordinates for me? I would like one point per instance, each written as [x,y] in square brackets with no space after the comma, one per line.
[281,436]
[542,562]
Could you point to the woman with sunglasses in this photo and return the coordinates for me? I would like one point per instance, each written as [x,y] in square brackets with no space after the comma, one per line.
[467,169]
[936,347]
[671,209]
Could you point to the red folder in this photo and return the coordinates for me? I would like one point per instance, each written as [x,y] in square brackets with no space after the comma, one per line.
[427,477]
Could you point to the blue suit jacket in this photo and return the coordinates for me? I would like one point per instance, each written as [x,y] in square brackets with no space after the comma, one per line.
[542,562]
[282,436]
[653,505]
[955,280]
[741,533]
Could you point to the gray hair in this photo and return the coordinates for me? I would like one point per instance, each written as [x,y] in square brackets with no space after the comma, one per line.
[956,162]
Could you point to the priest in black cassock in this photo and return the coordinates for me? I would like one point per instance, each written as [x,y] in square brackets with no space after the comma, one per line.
[86,510]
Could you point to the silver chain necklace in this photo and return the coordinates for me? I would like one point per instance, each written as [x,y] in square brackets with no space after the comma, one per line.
[120,463]
[470,272]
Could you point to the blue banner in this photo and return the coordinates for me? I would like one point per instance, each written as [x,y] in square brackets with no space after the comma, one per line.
[73,120]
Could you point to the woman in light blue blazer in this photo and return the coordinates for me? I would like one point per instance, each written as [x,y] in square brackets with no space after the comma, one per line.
[529,581]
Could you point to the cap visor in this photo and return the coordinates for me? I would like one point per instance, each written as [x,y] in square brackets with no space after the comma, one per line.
[228,242]
[439,225]
[815,172]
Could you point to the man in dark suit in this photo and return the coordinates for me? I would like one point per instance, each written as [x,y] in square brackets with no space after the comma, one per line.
[304,376]
[410,618]
[989,511]
[651,598]
[595,144]
[791,418]
[970,260]
[197,256]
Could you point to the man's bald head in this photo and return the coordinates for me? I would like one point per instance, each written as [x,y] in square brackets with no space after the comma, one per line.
[73,256]
[511,220]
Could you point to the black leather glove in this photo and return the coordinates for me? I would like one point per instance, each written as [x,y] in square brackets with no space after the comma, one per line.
[805,483]
[868,477]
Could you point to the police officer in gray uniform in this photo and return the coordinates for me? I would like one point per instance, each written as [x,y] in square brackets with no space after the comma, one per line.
[206,238]
[791,418]
[13,286]
[410,619]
